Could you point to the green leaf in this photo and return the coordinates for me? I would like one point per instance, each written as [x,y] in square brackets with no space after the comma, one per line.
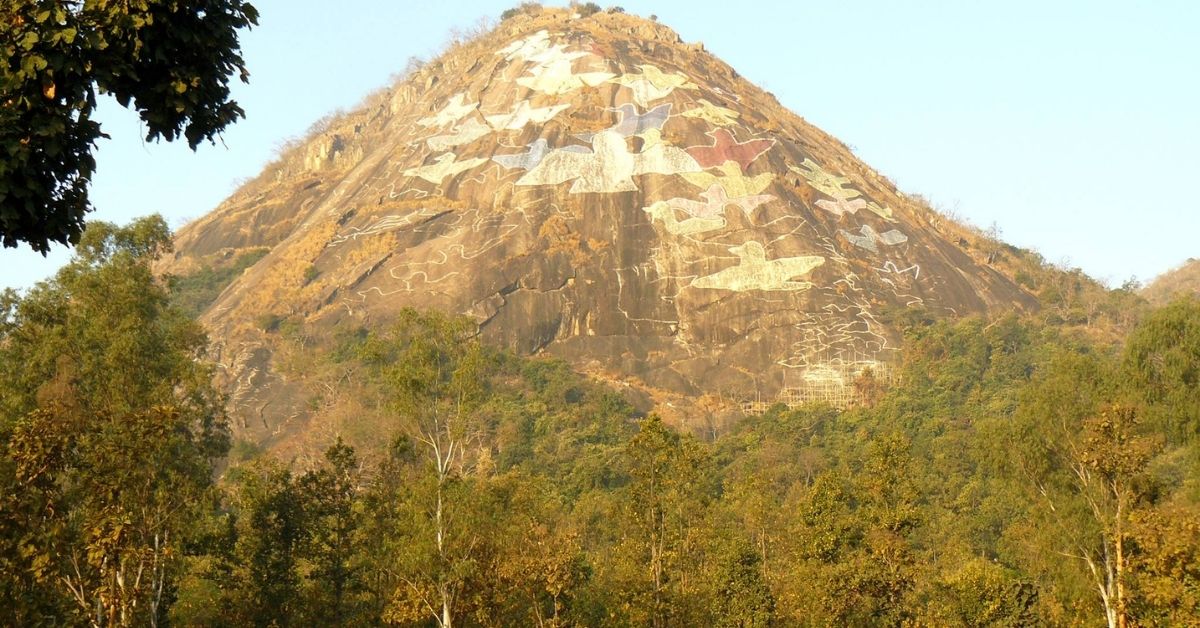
[32,64]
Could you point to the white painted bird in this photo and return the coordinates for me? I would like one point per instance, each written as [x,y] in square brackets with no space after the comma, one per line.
[608,167]
[755,272]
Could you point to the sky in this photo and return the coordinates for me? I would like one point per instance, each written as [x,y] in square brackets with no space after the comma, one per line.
[1072,125]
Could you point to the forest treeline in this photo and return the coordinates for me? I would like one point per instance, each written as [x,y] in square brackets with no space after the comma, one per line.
[1019,474]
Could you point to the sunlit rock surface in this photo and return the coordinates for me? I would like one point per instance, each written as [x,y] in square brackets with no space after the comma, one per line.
[595,189]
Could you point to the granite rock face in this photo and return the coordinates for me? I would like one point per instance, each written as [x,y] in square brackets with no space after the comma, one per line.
[591,188]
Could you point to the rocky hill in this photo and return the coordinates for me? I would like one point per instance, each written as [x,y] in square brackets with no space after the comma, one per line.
[592,188]
[1182,280]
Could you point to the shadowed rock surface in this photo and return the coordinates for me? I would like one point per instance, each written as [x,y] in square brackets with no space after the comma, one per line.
[591,188]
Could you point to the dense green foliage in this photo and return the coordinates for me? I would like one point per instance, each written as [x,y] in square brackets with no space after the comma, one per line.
[1016,473]
[109,430]
[1013,460]
[1019,474]
[171,60]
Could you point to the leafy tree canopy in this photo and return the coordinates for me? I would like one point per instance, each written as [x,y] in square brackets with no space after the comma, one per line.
[170,60]
[109,430]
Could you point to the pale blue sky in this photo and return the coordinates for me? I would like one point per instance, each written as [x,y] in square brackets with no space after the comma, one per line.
[1073,125]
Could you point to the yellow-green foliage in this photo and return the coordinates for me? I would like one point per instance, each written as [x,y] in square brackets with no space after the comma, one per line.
[109,429]
[927,508]
[559,499]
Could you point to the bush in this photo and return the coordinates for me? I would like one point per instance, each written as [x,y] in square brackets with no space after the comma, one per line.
[525,8]
[268,322]
[587,9]
[1025,279]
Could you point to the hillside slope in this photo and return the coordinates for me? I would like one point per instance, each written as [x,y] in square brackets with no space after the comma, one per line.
[1178,281]
[595,189]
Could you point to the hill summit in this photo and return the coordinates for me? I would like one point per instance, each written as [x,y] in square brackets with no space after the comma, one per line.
[591,188]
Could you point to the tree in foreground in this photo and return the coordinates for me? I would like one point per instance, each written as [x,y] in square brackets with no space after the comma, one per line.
[109,430]
[1162,359]
[1085,459]
[743,598]
[435,370]
[171,60]
[664,504]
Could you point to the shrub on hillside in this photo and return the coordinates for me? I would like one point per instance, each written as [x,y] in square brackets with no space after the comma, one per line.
[525,8]
[588,8]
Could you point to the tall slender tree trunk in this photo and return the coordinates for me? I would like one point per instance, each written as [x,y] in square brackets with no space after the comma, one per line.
[762,547]
[447,620]
[1119,542]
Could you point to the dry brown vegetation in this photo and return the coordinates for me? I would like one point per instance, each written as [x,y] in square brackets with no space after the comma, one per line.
[1181,280]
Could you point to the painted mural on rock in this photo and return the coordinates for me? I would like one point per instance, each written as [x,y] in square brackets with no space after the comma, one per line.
[610,204]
